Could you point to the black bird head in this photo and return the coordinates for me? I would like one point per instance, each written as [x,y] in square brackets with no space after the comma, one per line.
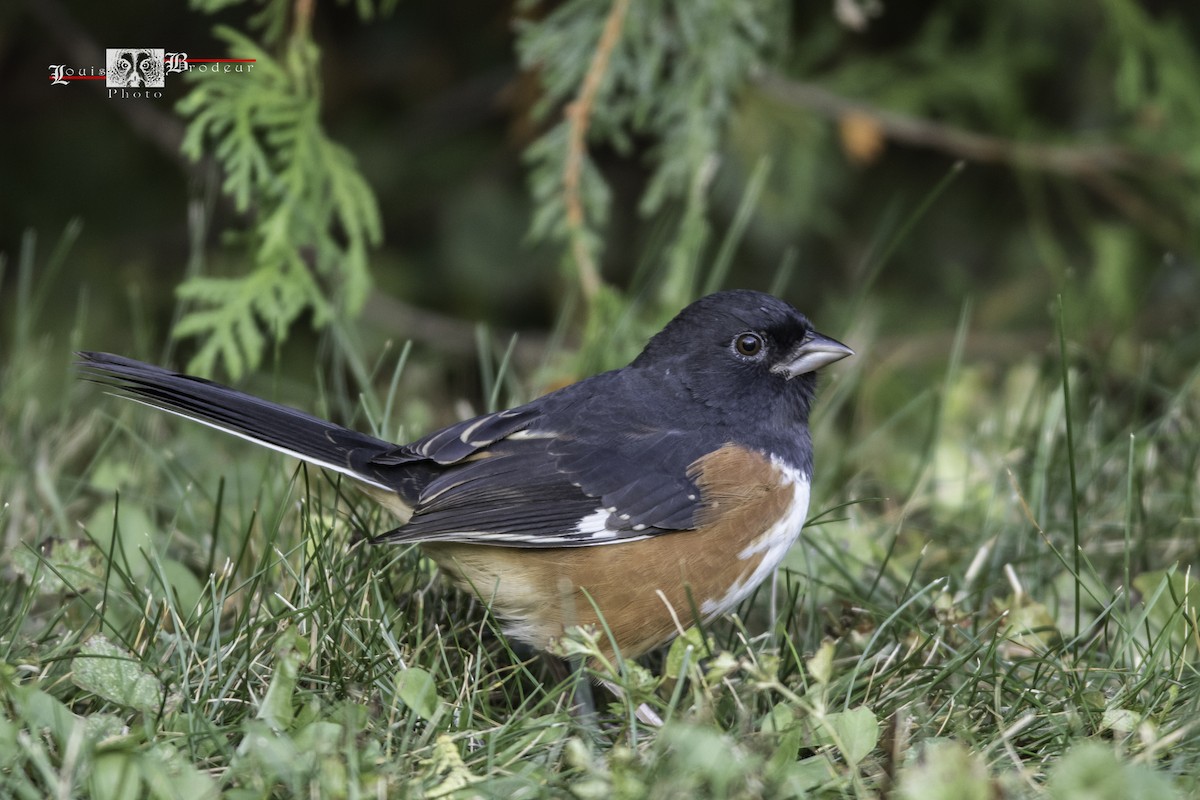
[744,351]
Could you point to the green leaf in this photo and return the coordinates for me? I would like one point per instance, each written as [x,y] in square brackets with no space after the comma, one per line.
[115,674]
[689,647]
[135,534]
[946,771]
[1122,720]
[42,711]
[181,583]
[782,765]
[99,727]
[62,566]
[9,744]
[779,719]
[1092,771]
[115,775]
[276,708]
[820,666]
[857,733]
[416,689]
[1168,594]
[808,773]
[168,776]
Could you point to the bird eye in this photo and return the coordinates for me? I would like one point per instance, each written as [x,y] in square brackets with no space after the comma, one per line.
[748,344]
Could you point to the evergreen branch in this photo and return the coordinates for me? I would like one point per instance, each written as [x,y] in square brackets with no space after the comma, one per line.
[312,215]
[667,74]
[578,115]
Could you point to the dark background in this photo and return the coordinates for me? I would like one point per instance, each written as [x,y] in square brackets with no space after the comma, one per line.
[432,103]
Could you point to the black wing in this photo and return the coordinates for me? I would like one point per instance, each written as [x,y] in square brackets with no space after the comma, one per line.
[599,461]
[576,470]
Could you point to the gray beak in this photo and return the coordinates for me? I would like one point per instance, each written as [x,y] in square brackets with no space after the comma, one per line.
[815,351]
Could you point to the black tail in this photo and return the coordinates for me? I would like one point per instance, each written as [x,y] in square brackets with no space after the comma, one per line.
[281,428]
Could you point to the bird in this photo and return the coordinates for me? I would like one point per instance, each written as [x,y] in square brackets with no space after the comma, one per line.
[638,500]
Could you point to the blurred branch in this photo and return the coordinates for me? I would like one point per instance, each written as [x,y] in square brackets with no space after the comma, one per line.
[302,18]
[1071,160]
[578,115]
[1094,166]
[1136,208]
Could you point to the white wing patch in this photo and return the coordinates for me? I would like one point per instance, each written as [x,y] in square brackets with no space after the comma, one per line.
[594,527]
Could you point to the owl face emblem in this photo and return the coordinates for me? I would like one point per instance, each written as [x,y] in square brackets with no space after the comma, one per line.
[135,67]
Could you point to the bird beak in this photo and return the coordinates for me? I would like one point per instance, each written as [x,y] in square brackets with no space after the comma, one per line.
[815,351]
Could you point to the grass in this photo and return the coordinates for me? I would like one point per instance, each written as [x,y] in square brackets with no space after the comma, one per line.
[183,616]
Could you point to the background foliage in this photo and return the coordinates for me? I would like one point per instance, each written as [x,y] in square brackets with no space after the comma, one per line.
[994,204]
